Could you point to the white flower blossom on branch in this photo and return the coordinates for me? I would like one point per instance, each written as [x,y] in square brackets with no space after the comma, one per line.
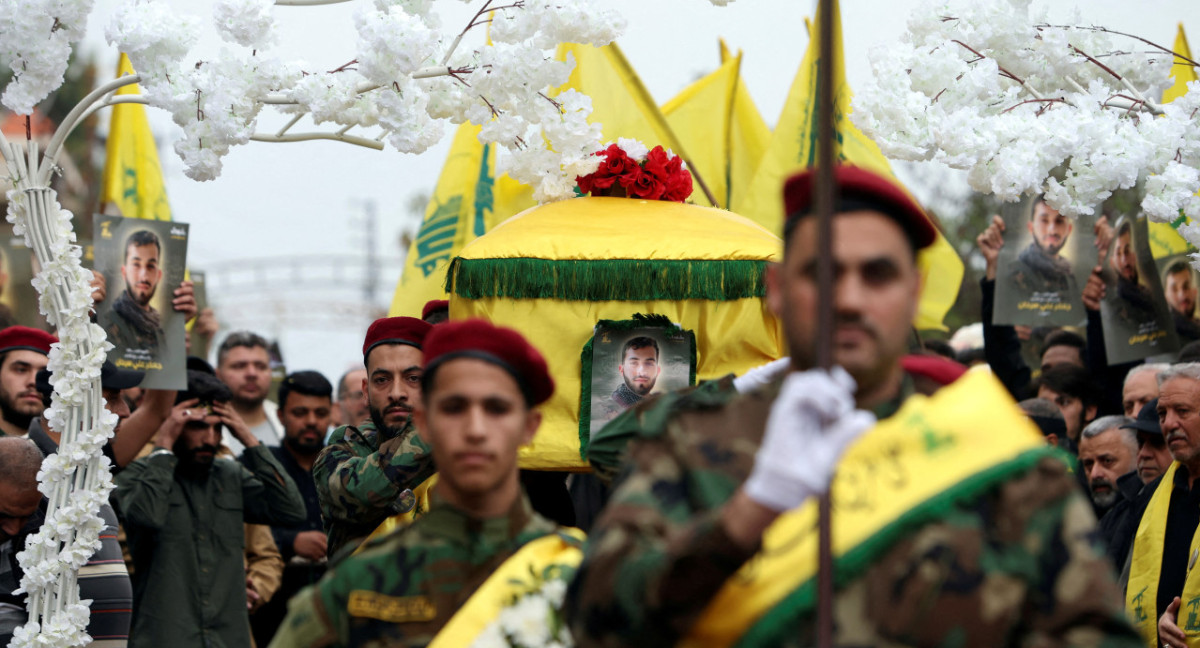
[1028,103]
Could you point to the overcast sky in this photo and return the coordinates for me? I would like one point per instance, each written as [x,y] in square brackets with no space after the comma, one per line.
[279,200]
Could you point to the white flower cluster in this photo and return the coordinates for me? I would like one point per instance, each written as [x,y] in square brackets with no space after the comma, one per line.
[75,480]
[1028,104]
[405,80]
[248,23]
[35,43]
[532,621]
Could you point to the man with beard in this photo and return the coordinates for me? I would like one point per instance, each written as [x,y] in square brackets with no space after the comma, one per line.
[132,323]
[1040,267]
[639,371]
[24,352]
[1134,305]
[305,408]
[184,510]
[443,575]
[708,538]
[244,364]
[369,470]
[1181,298]
[1107,452]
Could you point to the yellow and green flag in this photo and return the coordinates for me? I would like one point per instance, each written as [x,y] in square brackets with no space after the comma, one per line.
[794,147]
[716,120]
[1165,240]
[458,212]
[133,179]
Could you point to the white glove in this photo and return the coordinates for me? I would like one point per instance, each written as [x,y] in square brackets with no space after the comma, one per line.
[761,375]
[811,423]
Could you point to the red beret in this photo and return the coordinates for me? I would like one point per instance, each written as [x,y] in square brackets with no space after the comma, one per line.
[860,185]
[434,305]
[503,347]
[395,330]
[23,337]
[938,369]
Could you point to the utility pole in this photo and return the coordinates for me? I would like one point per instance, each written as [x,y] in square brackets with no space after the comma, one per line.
[371,270]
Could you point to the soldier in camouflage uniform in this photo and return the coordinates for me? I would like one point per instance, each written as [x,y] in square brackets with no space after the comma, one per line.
[480,387]
[367,471]
[708,471]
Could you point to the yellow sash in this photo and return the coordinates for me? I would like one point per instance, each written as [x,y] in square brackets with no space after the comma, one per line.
[422,493]
[1141,597]
[904,472]
[510,578]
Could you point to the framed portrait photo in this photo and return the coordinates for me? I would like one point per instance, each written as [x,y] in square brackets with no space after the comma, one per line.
[143,263]
[627,361]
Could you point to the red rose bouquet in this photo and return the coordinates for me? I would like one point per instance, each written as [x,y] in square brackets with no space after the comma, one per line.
[628,169]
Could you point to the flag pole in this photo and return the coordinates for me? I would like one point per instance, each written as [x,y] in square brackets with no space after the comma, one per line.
[826,196]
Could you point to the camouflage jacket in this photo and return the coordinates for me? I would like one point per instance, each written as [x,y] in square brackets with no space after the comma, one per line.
[1017,565]
[403,587]
[362,477]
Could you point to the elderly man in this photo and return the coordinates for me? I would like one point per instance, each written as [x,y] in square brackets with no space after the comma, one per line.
[369,469]
[1160,582]
[480,390]
[1141,387]
[707,537]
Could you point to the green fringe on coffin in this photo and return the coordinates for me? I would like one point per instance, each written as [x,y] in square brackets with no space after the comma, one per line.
[606,280]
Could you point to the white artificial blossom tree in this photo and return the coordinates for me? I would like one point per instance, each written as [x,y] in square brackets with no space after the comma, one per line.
[407,80]
[1027,103]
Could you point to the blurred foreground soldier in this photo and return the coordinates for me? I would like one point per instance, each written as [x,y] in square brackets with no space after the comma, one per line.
[184,509]
[480,387]
[1163,585]
[368,471]
[706,542]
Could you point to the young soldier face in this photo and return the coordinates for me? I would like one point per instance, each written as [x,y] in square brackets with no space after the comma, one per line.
[476,420]
[19,397]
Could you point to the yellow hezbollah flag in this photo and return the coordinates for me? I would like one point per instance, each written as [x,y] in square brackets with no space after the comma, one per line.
[749,138]
[133,180]
[1165,240]
[794,147]
[700,116]
[457,213]
[715,118]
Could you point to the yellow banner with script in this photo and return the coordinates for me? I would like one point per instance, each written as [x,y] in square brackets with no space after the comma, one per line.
[542,557]
[931,448]
[1145,564]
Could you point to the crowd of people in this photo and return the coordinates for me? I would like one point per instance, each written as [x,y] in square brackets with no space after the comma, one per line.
[1006,504]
